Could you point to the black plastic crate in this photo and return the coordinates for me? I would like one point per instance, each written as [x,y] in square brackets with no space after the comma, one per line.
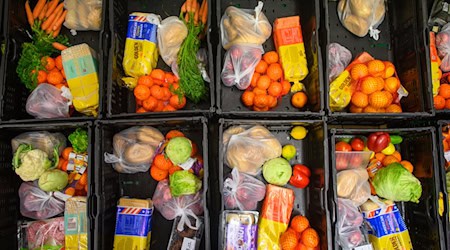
[111,185]
[311,151]
[442,163]
[229,99]
[14,94]
[9,196]
[422,219]
[403,40]
[120,101]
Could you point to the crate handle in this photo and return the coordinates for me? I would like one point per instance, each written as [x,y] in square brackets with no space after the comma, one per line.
[11,43]
[92,210]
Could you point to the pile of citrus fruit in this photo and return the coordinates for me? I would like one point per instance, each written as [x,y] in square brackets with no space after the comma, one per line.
[442,99]
[299,235]
[53,73]
[158,92]
[267,86]
[377,88]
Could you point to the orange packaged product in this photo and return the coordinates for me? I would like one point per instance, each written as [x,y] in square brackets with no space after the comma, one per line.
[290,47]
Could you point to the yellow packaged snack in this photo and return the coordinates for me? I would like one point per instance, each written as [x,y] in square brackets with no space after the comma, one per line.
[291,49]
[436,72]
[80,67]
[141,50]
[75,224]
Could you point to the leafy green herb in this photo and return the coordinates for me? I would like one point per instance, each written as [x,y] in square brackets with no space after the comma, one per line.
[79,140]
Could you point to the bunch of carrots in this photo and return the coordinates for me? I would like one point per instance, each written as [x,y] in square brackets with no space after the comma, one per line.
[53,73]
[49,15]
[192,9]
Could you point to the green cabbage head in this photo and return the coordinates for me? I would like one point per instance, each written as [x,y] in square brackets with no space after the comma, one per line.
[53,180]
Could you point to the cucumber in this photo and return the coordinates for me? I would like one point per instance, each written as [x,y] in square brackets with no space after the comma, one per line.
[396,139]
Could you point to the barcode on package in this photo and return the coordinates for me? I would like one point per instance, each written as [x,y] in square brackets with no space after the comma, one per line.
[188,244]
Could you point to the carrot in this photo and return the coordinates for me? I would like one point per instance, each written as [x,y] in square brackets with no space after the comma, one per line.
[30,17]
[59,21]
[51,7]
[38,8]
[183,8]
[56,32]
[42,14]
[193,5]
[49,21]
[59,46]
[204,16]
[70,191]
[83,180]
[197,12]
[188,5]
[58,15]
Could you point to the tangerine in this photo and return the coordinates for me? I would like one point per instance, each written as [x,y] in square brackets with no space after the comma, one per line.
[439,102]
[254,80]
[271,57]
[41,76]
[397,155]
[141,110]
[447,104]
[159,107]
[286,87]
[247,98]
[370,109]
[48,63]
[261,67]
[259,91]
[378,99]
[175,101]
[274,71]
[299,100]
[369,85]
[263,82]
[174,133]
[145,80]
[299,223]
[161,162]
[376,68]
[394,108]
[260,109]
[261,101]
[167,93]
[275,89]
[288,240]
[310,238]
[272,101]
[389,159]
[389,69]
[54,77]
[390,98]
[156,91]
[444,90]
[359,99]
[408,165]
[391,84]
[359,71]
[141,92]
[380,81]
[354,109]
[158,74]
[150,103]
[168,108]
[380,156]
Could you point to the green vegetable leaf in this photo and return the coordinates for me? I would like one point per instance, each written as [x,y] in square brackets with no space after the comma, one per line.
[79,140]
[23,148]
[184,183]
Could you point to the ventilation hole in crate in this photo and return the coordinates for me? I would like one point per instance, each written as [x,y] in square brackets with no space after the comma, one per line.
[287,108]
[337,36]
[239,108]
[273,11]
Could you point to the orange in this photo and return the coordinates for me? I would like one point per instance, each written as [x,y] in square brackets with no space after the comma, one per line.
[286,87]
[63,74]
[259,91]
[159,107]
[54,77]
[359,71]
[270,57]
[169,108]
[169,77]
[272,101]
[390,98]
[260,109]
[174,133]
[261,101]
[166,93]
[445,145]
[310,238]
[391,84]
[447,104]
[380,156]
[158,174]
[389,160]
[393,108]
[302,246]
[145,80]
[359,99]
[444,90]
[376,68]
[263,82]
[41,76]
[58,62]
[354,109]
[175,101]
[274,71]
[158,74]
[162,162]
[389,69]
[157,92]
[150,103]
[247,98]
[288,240]
[378,99]
[370,109]
[141,92]
[261,67]
[439,102]
[299,223]
[397,155]
[369,85]
[299,100]
[408,165]
[254,80]
[48,63]
[275,89]
[141,110]
[175,87]
[380,83]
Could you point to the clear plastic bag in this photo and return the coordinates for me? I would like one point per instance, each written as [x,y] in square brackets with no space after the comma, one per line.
[362,16]
[338,59]
[134,149]
[43,234]
[239,65]
[47,101]
[353,184]
[349,221]
[83,14]
[247,150]
[38,204]
[242,191]
[244,26]
[171,34]
[42,140]
[187,207]
[443,47]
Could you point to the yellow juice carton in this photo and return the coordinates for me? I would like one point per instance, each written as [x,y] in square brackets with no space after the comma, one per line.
[75,224]
[133,224]
[290,47]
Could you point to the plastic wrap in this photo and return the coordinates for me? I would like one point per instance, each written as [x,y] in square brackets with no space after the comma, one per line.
[47,101]
[83,14]
[338,59]
[44,234]
[247,150]
[187,236]
[134,149]
[349,221]
[242,191]
[42,140]
[239,230]
[353,184]
[443,47]
[38,204]
[171,34]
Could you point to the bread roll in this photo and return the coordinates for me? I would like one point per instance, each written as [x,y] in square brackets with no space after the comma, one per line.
[138,153]
[362,8]
[356,25]
[379,13]
[150,135]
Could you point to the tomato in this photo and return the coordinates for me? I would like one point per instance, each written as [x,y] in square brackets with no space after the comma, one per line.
[356,161]
[357,144]
[343,146]
[303,169]
[341,162]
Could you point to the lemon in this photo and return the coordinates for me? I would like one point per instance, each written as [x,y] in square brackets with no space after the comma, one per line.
[288,152]
[390,149]
[299,132]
